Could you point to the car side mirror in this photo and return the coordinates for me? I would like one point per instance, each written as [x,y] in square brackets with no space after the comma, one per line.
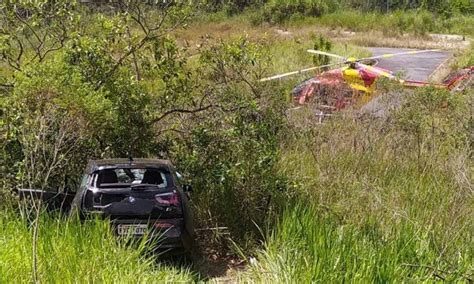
[187,188]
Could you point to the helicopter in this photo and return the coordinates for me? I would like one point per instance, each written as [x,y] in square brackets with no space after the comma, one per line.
[353,81]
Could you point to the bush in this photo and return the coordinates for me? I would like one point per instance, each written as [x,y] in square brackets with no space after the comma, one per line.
[58,119]
[230,6]
[54,120]
[231,153]
[278,11]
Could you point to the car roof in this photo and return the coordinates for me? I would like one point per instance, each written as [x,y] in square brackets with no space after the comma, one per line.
[96,165]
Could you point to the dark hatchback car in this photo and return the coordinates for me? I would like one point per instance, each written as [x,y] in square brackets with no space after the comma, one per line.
[141,197]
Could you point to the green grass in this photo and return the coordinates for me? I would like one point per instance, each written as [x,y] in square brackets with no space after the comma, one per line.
[365,220]
[391,24]
[305,247]
[466,58]
[69,251]
[395,23]
[367,205]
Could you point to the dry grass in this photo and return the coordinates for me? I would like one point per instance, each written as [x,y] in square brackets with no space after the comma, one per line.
[377,38]
[226,28]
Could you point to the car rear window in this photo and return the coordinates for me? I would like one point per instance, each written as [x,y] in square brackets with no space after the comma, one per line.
[125,177]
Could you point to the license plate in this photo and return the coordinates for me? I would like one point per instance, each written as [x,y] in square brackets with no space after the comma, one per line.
[132,229]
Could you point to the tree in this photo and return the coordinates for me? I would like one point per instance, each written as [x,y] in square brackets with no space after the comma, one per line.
[32,30]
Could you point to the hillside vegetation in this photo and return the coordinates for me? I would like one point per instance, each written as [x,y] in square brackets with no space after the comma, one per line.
[377,201]
[391,17]
[355,198]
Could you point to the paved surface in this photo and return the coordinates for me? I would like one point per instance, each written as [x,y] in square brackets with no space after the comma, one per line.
[414,66]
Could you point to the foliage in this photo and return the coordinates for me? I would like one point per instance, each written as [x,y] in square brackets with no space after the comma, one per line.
[383,199]
[466,58]
[230,6]
[317,7]
[321,43]
[435,116]
[32,30]
[51,118]
[441,7]
[130,91]
[397,20]
[58,106]
[277,11]
[82,100]
[394,23]
[231,153]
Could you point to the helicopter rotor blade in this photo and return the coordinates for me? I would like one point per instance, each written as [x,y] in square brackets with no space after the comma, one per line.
[380,72]
[389,55]
[278,76]
[326,53]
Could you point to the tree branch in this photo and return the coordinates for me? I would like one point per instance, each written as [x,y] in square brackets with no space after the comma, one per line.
[172,111]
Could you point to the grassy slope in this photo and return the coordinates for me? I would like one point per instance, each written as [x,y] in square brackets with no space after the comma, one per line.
[70,252]
[374,206]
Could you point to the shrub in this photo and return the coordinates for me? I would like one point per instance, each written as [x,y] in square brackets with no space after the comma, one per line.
[230,154]
[278,11]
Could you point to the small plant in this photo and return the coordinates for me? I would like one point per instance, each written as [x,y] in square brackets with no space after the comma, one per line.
[321,43]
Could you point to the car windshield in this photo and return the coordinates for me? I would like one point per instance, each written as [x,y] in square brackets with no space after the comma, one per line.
[125,177]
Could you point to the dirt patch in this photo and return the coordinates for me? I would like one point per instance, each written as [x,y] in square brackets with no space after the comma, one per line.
[378,39]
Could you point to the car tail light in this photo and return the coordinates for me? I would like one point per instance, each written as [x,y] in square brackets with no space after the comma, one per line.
[163,225]
[168,198]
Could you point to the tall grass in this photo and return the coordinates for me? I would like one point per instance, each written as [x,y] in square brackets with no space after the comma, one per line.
[395,23]
[398,22]
[68,251]
[305,248]
[376,200]
[466,58]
